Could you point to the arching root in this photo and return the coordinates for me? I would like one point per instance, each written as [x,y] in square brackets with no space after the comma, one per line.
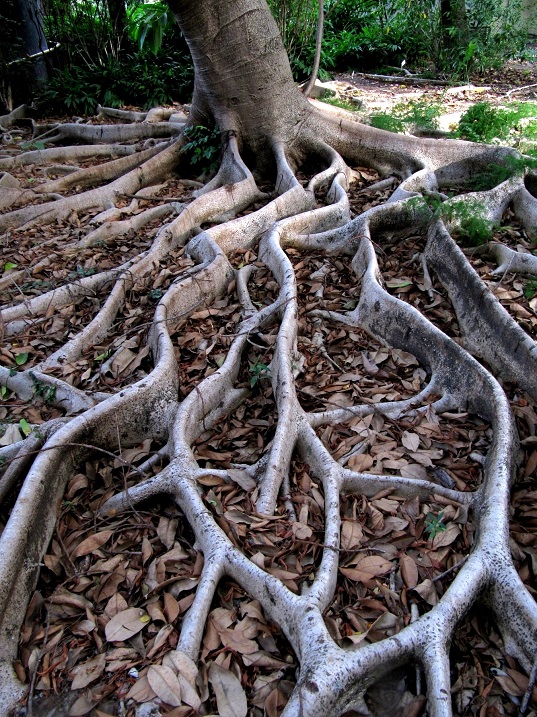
[332,679]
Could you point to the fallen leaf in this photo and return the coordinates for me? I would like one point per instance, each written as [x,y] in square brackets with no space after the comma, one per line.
[410,440]
[93,542]
[164,683]
[230,697]
[88,671]
[409,571]
[126,624]
[351,534]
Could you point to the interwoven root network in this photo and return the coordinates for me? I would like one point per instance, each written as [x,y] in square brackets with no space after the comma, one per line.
[195,238]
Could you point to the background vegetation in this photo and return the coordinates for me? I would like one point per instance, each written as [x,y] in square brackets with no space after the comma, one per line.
[120,52]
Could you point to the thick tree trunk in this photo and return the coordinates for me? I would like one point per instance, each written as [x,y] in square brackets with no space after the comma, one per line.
[243,80]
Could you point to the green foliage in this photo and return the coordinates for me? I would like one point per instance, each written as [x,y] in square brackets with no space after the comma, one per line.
[22,358]
[25,427]
[434,525]
[472,227]
[530,290]
[388,122]
[47,393]
[496,173]
[370,33]
[136,79]
[297,21]
[203,148]
[484,122]
[407,115]
[466,217]
[258,370]
[107,55]
[339,102]
[147,23]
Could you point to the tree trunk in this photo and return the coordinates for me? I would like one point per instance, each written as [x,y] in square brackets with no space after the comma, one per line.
[243,80]
[453,15]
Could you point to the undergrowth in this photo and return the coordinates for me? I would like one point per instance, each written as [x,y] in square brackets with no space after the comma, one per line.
[484,122]
[405,116]
[466,218]
[203,148]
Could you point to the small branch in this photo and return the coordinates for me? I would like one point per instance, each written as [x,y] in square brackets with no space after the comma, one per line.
[529,690]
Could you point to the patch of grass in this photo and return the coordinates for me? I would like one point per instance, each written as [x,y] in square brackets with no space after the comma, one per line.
[484,122]
[388,122]
[404,116]
[340,102]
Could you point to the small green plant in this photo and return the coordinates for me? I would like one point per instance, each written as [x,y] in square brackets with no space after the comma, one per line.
[471,225]
[434,524]
[530,290]
[9,265]
[35,144]
[466,217]
[81,272]
[103,356]
[203,147]
[25,427]
[496,173]
[156,294]
[21,359]
[47,393]
[258,370]
[3,392]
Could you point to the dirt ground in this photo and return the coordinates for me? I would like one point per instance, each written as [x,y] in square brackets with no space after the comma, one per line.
[517,81]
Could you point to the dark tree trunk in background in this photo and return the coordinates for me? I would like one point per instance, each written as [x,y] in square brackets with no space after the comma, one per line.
[453,15]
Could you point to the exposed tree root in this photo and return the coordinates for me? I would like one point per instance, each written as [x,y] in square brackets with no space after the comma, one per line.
[331,679]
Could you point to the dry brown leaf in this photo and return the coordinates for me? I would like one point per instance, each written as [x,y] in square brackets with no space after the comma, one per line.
[164,683]
[448,536]
[126,624]
[189,694]
[141,691]
[93,542]
[351,534]
[409,571]
[410,440]
[88,671]
[82,706]
[166,531]
[374,565]
[360,462]
[230,697]
[427,591]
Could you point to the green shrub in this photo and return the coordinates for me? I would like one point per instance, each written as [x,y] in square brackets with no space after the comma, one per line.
[203,148]
[484,122]
[139,79]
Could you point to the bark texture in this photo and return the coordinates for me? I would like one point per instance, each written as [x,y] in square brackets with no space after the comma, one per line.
[244,85]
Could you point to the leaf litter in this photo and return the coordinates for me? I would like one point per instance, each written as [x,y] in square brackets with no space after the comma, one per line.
[104,620]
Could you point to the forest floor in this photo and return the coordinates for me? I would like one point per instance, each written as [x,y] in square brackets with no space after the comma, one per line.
[515,82]
[395,553]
